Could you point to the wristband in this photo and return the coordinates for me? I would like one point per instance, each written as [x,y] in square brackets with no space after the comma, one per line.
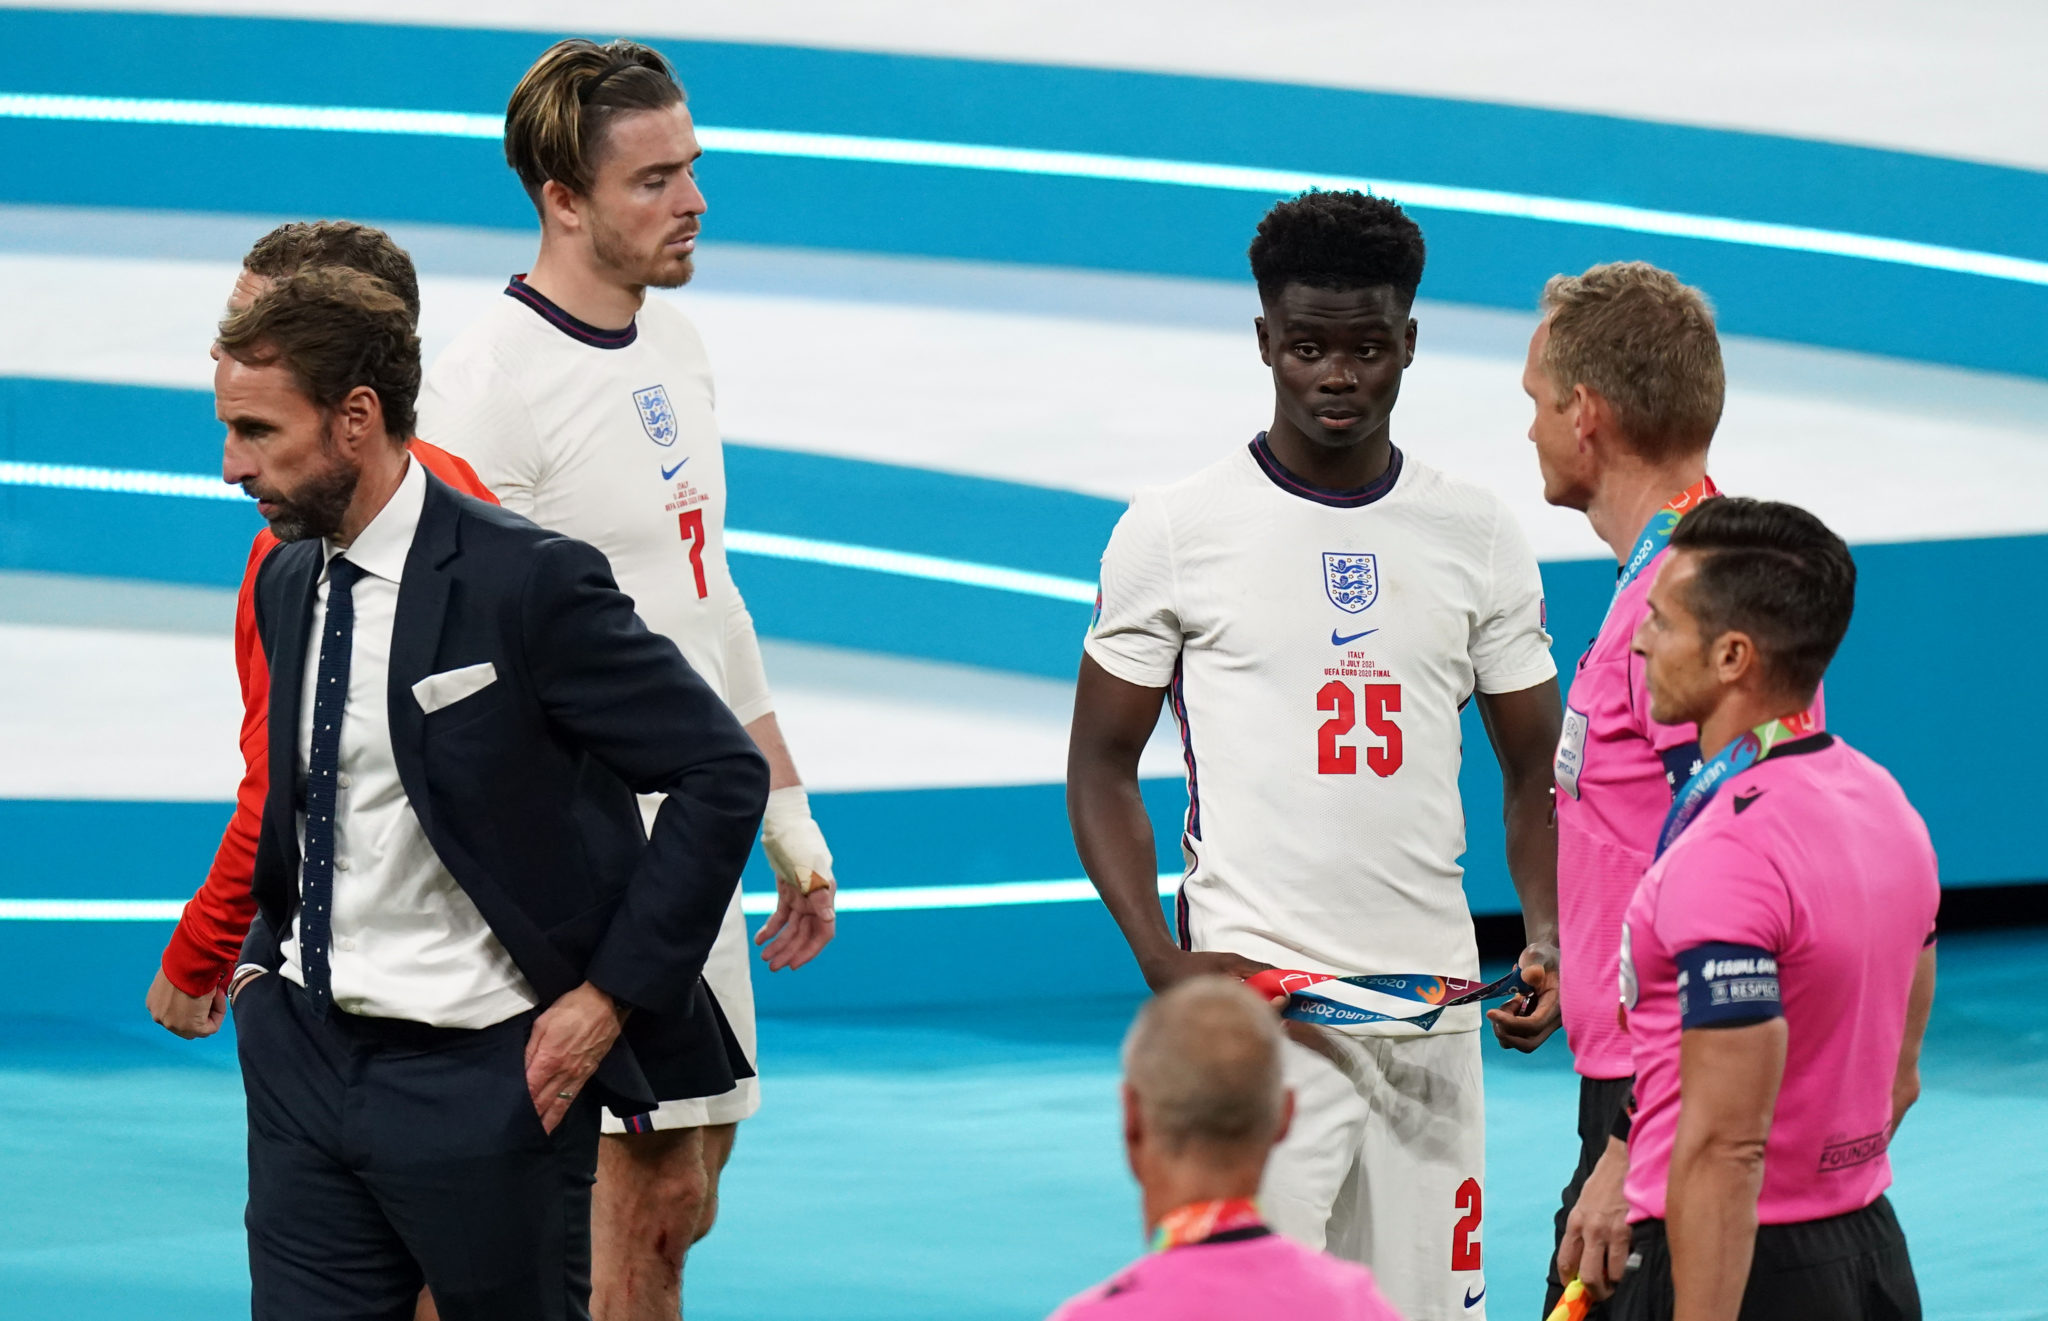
[243,975]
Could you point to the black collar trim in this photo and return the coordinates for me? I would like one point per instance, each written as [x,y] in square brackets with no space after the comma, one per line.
[1233,1235]
[1799,747]
[1262,454]
[581,331]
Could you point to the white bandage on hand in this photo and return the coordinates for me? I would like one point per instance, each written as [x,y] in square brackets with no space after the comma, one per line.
[794,844]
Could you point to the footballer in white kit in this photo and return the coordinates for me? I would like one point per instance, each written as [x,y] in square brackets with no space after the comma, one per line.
[588,408]
[1317,608]
[610,437]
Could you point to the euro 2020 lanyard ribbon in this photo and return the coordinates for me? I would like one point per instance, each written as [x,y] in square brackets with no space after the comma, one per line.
[1724,765]
[1657,532]
[1198,1222]
[1331,1001]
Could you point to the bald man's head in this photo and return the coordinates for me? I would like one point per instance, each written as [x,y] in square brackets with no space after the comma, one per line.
[1203,1062]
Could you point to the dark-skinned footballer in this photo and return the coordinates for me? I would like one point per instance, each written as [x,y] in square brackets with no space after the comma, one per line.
[1320,606]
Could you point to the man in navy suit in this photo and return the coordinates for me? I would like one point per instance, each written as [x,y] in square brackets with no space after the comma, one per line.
[466,941]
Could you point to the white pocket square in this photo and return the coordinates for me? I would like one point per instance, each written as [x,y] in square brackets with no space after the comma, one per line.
[450,686]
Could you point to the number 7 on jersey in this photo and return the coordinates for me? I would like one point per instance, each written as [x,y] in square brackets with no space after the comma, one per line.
[692,521]
[1381,701]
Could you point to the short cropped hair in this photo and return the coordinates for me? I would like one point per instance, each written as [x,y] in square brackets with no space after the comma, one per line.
[1345,240]
[1777,573]
[1204,1060]
[291,248]
[334,329]
[1645,342]
[556,122]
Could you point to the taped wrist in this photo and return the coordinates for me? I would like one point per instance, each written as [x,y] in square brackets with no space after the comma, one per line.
[794,844]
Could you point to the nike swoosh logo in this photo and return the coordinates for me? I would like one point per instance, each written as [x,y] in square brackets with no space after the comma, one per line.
[1472,1299]
[1741,802]
[1336,641]
[667,473]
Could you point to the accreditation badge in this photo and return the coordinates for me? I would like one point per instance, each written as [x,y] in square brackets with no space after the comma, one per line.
[1571,752]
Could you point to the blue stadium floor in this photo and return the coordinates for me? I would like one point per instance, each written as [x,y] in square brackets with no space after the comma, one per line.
[916,1165]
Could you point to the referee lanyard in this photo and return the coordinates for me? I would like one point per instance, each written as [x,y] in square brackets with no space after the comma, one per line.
[1724,765]
[1198,1222]
[1657,534]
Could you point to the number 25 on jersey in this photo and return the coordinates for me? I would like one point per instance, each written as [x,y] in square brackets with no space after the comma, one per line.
[1335,757]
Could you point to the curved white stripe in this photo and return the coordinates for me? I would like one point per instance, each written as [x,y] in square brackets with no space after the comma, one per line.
[1441,197]
[896,898]
[773,545]
[1067,164]
[907,565]
[246,114]
[91,910]
[75,477]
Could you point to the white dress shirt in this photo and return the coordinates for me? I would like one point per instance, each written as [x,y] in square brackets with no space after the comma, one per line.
[407,941]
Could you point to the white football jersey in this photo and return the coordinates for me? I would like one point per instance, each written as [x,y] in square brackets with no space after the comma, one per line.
[1317,647]
[609,437]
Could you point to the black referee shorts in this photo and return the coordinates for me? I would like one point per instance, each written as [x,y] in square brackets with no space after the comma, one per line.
[1846,1268]
[1600,1101]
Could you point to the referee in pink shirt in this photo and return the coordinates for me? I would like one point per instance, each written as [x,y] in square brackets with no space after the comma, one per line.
[1625,372]
[1203,1105]
[1777,960]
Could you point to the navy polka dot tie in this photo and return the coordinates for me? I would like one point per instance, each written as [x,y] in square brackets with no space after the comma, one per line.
[323,769]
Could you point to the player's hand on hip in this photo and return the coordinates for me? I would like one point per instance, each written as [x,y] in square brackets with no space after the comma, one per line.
[569,1040]
[804,920]
[1178,965]
[188,1016]
[1526,1022]
[1595,1243]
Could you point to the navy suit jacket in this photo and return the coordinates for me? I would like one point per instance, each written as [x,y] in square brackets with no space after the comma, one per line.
[526,788]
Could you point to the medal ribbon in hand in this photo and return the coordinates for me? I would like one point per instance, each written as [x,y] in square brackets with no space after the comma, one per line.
[1331,1001]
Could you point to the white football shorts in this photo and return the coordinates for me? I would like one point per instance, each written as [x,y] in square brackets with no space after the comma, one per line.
[1385,1164]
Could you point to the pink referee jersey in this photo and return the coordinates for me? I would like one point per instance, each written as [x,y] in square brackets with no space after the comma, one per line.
[1262,1276]
[1612,794]
[1806,886]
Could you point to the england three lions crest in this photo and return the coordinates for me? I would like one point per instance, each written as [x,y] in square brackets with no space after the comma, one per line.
[1353,581]
[655,414]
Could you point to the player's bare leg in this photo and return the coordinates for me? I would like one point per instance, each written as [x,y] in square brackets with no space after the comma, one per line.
[718,1142]
[651,1193]
[656,1195]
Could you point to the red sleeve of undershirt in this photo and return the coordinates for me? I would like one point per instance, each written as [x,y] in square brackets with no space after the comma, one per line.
[452,469]
[202,951]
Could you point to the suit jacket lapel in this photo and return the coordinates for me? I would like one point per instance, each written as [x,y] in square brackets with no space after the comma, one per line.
[416,639]
[295,590]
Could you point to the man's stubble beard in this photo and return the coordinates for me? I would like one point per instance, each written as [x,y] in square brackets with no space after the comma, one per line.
[614,254]
[316,509]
